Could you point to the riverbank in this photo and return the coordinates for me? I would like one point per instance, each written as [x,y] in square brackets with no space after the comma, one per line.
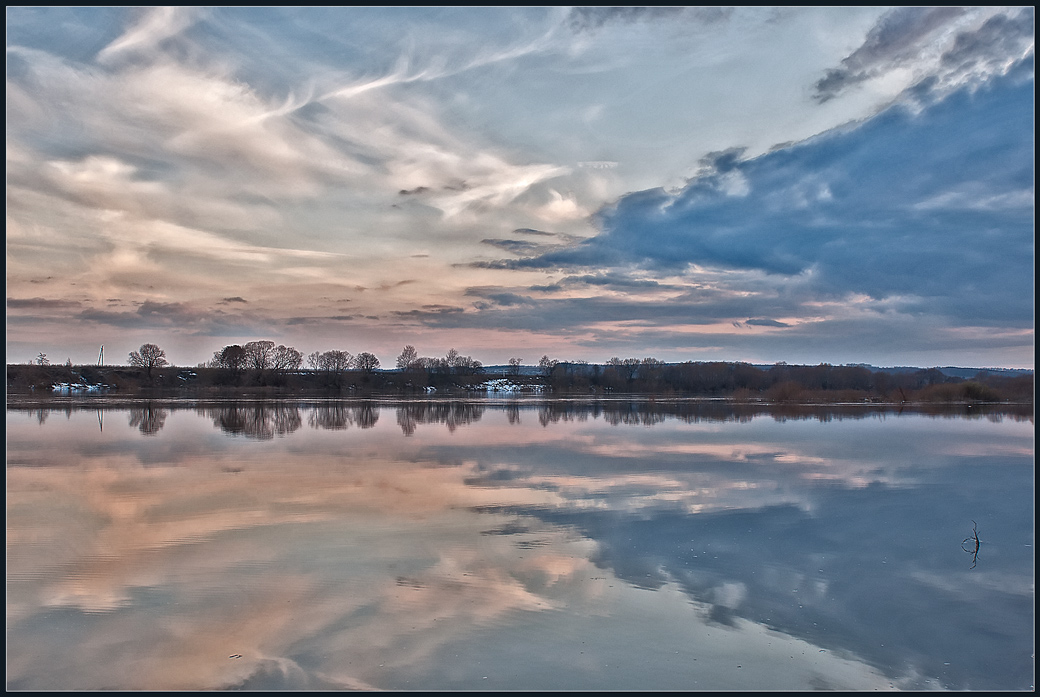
[825,385]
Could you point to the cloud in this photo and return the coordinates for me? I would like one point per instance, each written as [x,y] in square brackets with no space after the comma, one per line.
[413,192]
[588,19]
[515,246]
[429,311]
[530,231]
[150,314]
[320,320]
[897,37]
[907,39]
[503,309]
[185,155]
[766,323]
[612,280]
[177,129]
[991,49]
[493,298]
[155,25]
[888,209]
[40,304]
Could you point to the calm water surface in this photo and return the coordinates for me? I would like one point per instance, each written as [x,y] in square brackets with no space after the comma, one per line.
[533,546]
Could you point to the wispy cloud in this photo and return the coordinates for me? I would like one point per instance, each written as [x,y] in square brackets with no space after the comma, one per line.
[152,27]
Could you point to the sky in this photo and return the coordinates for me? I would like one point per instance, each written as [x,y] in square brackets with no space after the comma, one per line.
[839,185]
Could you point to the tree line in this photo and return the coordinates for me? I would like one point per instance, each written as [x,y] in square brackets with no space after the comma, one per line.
[264,363]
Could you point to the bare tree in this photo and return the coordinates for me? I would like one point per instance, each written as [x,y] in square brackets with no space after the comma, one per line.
[650,367]
[366,362]
[407,358]
[452,360]
[41,359]
[626,368]
[259,354]
[631,367]
[287,358]
[514,366]
[432,365]
[547,365]
[470,366]
[336,361]
[148,356]
[232,357]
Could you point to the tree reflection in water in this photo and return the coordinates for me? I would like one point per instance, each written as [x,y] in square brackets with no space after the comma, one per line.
[259,421]
[451,414]
[148,419]
[339,416]
[265,420]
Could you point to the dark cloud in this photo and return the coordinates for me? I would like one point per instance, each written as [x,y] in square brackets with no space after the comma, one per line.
[396,284]
[1000,37]
[530,231]
[494,298]
[581,19]
[235,299]
[515,246]
[527,247]
[907,34]
[295,321]
[625,323]
[612,280]
[166,311]
[415,191]
[893,39]
[586,19]
[40,304]
[899,31]
[721,161]
[453,186]
[884,340]
[932,212]
[502,309]
[429,312]
[181,317]
[148,314]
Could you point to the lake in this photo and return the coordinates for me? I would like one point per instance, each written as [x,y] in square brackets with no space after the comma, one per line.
[535,545]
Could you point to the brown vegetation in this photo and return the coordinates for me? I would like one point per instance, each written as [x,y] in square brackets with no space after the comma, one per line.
[264,368]
[779,384]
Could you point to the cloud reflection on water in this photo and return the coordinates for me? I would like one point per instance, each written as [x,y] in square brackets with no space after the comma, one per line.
[379,554]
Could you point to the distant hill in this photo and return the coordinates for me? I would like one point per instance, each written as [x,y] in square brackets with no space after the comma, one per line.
[949,371]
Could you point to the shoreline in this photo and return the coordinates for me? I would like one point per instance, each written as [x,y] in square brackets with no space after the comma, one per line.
[716,383]
[654,402]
